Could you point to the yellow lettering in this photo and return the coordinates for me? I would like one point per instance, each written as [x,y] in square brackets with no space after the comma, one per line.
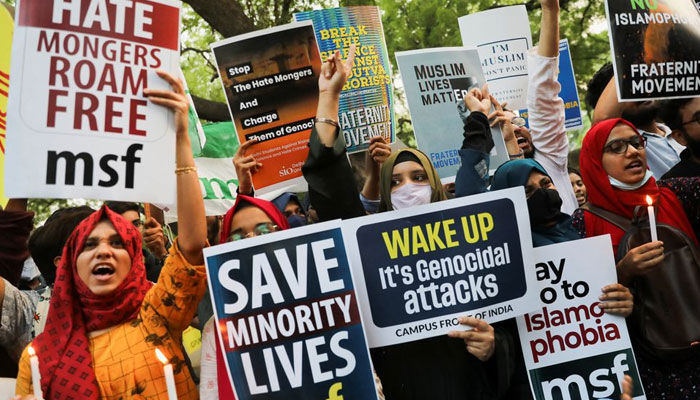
[433,238]
[485,225]
[449,232]
[396,243]
[419,241]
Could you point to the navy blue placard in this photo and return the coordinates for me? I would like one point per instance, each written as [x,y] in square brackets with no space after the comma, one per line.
[388,302]
[320,349]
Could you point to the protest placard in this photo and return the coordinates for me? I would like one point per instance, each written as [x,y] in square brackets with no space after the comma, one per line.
[287,316]
[436,81]
[270,78]
[503,51]
[572,348]
[417,270]
[569,90]
[78,122]
[6,28]
[367,100]
[655,48]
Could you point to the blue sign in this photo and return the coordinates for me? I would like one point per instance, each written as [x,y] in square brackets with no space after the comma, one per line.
[287,316]
[569,91]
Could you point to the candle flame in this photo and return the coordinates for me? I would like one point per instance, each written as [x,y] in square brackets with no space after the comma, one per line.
[649,200]
[31,352]
[161,356]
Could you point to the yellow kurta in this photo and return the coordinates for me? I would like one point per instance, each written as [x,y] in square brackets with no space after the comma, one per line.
[124,358]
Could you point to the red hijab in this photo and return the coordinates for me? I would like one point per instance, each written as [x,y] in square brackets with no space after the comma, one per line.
[63,348]
[601,193]
[225,389]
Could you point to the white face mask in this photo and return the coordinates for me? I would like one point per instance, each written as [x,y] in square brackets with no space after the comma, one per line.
[625,186]
[411,194]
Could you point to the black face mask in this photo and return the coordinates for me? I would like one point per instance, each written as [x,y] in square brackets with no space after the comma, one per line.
[544,206]
[296,221]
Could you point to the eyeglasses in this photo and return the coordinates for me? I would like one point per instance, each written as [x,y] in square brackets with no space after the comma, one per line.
[260,229]
[619,146]
[518,121]
[696,119]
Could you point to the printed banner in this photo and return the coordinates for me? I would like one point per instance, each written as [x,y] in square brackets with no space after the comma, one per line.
[270,78]
[6,28]
[569,91]
[572,349]
[367,100]
[436,81]
[503,51]
[287,316]
[655,48]
[417,270]
[79,125]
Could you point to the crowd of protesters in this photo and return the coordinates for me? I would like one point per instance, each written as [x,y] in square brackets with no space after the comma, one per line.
[94,292]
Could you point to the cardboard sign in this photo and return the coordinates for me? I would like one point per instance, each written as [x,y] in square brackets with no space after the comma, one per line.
[436,81]
[367,100]
[6,28]
[78,122]
[419,269]
[572,348]
[270,78]
[287,316]
[503,51]
[655,48]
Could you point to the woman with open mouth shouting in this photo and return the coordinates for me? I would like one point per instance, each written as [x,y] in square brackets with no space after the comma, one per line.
[106,319]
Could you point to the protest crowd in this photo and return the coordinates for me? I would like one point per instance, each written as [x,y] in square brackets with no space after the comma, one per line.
[447,271]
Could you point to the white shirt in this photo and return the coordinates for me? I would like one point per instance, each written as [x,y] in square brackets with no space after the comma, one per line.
[546,119]
[208,383]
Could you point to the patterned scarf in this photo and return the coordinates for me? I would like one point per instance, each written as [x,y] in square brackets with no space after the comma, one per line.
[63,348]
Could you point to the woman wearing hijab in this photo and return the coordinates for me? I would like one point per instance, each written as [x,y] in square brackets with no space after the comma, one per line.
[435,368]
[614,169]
[105,319]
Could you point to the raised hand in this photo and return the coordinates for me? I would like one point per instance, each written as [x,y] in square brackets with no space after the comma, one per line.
[154,238]
[245,166]
[478,100]
[334,72]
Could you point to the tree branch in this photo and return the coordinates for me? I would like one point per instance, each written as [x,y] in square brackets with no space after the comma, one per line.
[226,16]
[211,110]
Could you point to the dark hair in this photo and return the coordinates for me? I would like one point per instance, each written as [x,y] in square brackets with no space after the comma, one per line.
[574,171]
[597,84]
[670,112]
[47,241]
[120,207]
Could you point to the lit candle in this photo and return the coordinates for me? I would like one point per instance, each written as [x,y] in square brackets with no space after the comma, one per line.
[36,376]
[169,377]
[652,220]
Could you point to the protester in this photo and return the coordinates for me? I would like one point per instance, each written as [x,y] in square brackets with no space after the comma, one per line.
[578,186]
[662,151]
[438,367]
[547,142]
[614,168]
[15,225]
[683,118]
[106,319]
[289,205]
[155,250]
[377,153]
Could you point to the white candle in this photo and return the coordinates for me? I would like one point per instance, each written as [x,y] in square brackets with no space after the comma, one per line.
[36,376]
[652,220]
[169,377]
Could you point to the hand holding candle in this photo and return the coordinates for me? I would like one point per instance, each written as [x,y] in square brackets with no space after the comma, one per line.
[169,377]
[652,219]
[36,376]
